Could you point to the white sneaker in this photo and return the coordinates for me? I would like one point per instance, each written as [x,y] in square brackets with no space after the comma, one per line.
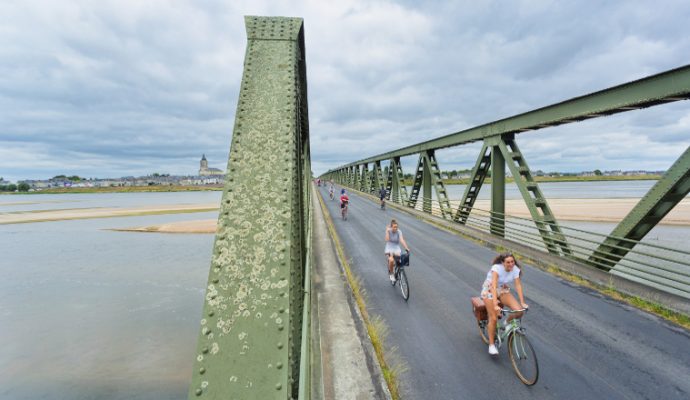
[493,350]
[392,277]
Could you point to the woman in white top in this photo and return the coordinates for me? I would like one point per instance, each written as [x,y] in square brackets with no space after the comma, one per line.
[394,238]
[504,271]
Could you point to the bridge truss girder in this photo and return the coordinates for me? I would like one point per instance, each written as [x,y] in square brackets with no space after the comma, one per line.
[254,339]
[499,147]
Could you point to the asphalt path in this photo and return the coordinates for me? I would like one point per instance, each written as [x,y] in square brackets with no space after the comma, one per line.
[588,346]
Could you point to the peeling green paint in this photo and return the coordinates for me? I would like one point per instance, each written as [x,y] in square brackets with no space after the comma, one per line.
[255,288]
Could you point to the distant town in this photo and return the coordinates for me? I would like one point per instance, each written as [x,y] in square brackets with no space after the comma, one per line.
[207,176]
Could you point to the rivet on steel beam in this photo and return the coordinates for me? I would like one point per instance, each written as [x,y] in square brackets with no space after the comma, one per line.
[198,392]
[215,280]
[278,386]
[202,370]
[280,345]
[279,365]
[204,350]
[211,313]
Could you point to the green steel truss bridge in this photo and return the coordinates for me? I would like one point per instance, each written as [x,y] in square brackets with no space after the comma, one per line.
[255,328]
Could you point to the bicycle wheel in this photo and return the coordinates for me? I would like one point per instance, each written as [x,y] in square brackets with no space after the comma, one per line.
[404,286]
[483,330]
[523,358]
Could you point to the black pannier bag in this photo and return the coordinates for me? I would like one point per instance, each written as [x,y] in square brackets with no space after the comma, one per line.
[405,259]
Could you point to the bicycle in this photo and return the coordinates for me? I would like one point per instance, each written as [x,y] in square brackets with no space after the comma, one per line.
[522,355]
[343,211]
[400,275]
[383,203]
[331,195]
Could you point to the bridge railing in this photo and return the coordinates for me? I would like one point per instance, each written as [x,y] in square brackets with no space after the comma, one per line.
[254,338]
[661,267]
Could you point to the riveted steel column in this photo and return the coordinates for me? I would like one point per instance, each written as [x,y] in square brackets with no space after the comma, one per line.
[252,325]
[498,189]
[363,183]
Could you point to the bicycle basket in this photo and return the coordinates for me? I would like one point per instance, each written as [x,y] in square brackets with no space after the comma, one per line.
[405,259]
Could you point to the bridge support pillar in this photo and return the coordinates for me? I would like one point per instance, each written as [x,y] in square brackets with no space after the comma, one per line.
[498,191]
[426,186]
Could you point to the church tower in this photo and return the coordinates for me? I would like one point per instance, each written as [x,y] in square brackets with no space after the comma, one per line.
[203,165]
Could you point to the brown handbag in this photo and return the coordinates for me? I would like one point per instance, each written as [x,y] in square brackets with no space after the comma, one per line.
[479,309]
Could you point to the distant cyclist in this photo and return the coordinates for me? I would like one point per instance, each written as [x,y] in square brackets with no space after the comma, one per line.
[394,238]
[331,191]
[344,202]
[382,196]
[503,271]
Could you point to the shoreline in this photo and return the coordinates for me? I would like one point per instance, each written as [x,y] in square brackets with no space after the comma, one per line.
[407,182]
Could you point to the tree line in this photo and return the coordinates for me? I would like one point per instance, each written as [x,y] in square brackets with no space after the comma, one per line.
[22,187]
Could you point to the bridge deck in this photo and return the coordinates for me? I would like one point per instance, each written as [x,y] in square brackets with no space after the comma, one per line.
[588,346]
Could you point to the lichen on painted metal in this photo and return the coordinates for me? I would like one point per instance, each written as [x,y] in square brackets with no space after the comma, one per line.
[252,314]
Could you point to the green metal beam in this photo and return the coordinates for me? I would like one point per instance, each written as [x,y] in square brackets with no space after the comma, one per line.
[378,176]
[434,173]
[364,182]
[417,183]
[534,199]
[253,328]
[666,87]
[661,198]
[398,191]
[426,183]
[479,173]
[498,189]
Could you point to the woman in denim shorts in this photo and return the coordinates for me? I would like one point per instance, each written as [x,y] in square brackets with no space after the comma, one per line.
[503,272]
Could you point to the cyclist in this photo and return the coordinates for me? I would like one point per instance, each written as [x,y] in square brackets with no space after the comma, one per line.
[344,201]
[394,238]
[504,271]
[331,190]
[382,196]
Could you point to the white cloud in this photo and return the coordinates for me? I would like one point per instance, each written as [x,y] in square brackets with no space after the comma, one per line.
[114,88]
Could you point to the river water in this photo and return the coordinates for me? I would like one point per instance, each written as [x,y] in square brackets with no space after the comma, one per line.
[90,313]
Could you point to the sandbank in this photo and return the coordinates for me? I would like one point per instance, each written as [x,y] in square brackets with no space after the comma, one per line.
[88,213]
[593,210]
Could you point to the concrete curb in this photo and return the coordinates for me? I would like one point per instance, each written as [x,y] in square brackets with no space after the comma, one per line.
[349,366]
[544,260]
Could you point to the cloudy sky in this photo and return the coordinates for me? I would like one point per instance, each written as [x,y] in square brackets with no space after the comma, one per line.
[112,88]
